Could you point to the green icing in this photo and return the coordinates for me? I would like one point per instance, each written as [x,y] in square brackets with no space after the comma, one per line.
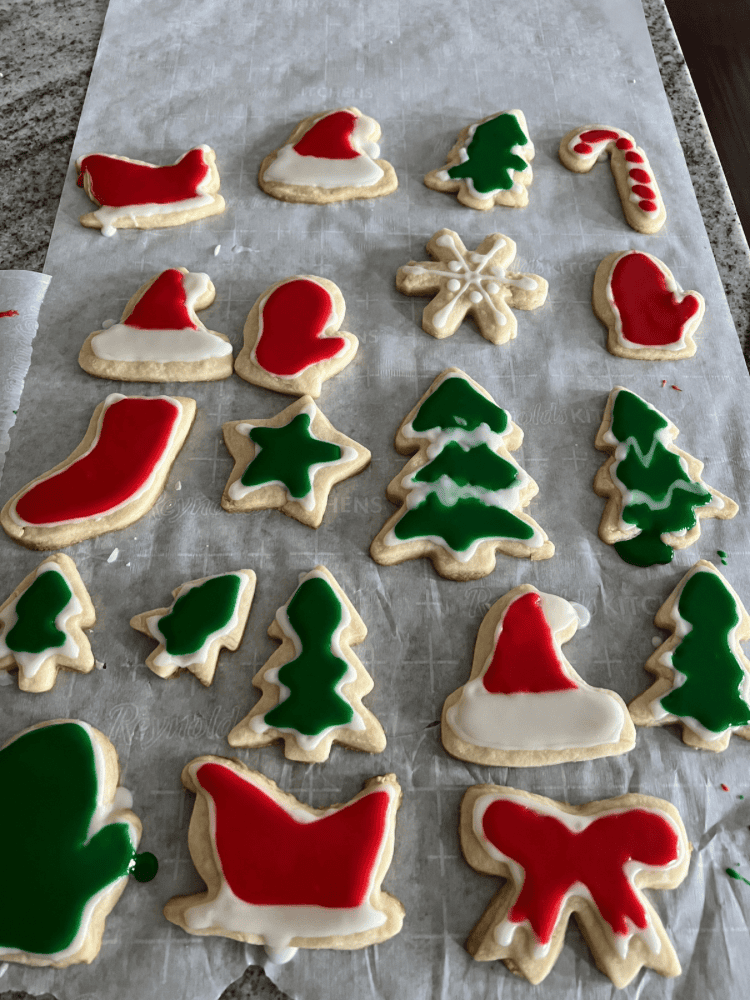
[479,466]
[457,404]
[200,612]
[713,672]
[287,455]
[663,496]
[467,521]
[490,155]
[736,875]
[49,788]
[313,705]
[37,609]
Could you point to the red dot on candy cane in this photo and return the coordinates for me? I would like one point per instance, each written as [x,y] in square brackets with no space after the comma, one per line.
[624,143]
[643,191]
[648,206]
[583,148]
[641,176]
[634,158]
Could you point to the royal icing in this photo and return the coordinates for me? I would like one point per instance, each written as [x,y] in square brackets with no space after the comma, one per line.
[497,151]
[132,440]
[334,152]
[163,326]
[71,846]
[131,188]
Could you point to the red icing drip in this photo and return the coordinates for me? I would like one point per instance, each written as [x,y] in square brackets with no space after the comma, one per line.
[641,176]
[9,312]
[648,206]
[293,321]
[525,658]
[599,135]
[554,858]
[634,157]
[117,183]
[134,435]
[163,305]
[650,314]
[330,138]
[269,858]
[643,191]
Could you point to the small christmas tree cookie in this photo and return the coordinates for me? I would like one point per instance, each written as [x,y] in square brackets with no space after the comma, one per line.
[42,622]
[282,874]
[70,841]
[703,677]
[490,163]
[462,495]
[590,861]
[525,705]
[160,338]
[292,338]
[291,461]
[476,284]
[313,684]
[206,616]
[655,494]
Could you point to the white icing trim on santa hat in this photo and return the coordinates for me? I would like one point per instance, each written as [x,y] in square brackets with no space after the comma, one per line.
[122,342]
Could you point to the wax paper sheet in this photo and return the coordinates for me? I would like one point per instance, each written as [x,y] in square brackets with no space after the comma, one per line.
[239,75]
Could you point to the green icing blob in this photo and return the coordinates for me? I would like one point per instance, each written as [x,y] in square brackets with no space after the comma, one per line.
[456,403]
[467,521]
[491,156]
[479,466]
[665,497]
[286,456]
[49,788]
[199,613]
[313,705]
[37,609]
[710,693]
[733,874]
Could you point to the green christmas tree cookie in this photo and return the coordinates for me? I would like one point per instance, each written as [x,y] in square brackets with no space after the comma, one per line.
[69,840]
[313,684]
[489,164]
[207,615]
[655,494]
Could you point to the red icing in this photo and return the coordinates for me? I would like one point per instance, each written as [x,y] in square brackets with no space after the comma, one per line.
[554,858]
[134,435]
[623,143]
[330,138]
[643,191]
[116,182]
[9,312]
[648,206]
[650,314]
[293,321]
[525,658]
[270,858]
[599,135]
[163,305]
[640,176]
[634,157]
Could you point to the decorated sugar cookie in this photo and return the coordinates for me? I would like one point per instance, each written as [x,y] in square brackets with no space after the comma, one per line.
[133,194]
[462,494]
[655,495]
[206,616]
[647,314]
[475,283]
[282,874]
[69,838]
[113,477]
[313,684]
[525,705]
[333,156]
[290,461]
[160,338]
[590,861]
[490,163]
[702,675]
[639,193]
[293,340]
[42,623]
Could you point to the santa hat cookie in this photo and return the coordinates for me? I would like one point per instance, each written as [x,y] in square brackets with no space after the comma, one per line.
[525,705]
[329,157]
[134,194]
[160,338]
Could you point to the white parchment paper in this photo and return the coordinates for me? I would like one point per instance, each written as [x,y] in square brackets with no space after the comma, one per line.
[239,75]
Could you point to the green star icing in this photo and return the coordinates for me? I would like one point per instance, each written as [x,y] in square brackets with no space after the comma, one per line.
[287,454]
[199,613]
[313,704]
[457,404]
[49,787]
[490,155]
[37,608]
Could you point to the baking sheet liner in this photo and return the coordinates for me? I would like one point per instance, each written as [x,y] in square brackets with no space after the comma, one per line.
[239,75]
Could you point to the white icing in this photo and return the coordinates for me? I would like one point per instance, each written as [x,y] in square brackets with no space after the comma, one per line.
[258,723]
[525,152]
[290,167]
[217,249]
[130,343]
[237,491]
[110,400]
[29,664]
[505,930]
[112,557]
